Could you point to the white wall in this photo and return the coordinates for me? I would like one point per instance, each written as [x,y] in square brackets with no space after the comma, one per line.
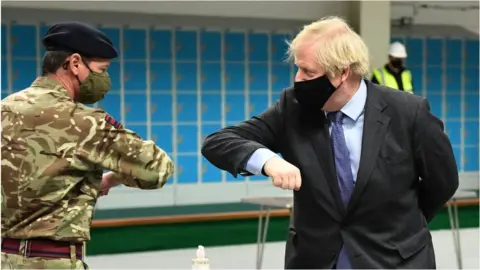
[285,10]
[253,9]
[440,13]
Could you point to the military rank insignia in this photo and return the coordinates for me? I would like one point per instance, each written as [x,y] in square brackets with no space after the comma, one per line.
[112,121]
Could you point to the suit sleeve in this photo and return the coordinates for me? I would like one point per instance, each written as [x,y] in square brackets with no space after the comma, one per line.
[434,160]
[137,163]
[231,148]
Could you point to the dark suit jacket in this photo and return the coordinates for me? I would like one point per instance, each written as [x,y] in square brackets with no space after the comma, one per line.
[407,173]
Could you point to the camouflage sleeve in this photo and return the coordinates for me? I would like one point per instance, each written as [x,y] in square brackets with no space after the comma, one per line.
[137,163]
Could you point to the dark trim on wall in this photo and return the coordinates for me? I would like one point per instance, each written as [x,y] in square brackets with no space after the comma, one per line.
[217,233]
[119,18]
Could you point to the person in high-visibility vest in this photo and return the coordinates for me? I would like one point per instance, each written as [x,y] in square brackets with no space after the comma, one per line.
[394,74]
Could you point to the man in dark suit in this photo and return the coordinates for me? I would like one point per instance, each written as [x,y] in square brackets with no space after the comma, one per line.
[370,165]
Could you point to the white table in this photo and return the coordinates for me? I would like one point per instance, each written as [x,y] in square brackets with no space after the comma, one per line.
[455,222]
[266,204]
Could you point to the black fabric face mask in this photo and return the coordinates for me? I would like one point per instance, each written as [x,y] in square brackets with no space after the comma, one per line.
[313,94]
[397,63]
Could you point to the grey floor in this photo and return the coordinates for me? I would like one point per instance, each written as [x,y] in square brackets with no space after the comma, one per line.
[243,256]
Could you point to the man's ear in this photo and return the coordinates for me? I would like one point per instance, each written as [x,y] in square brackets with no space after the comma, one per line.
[346,73]
[74,62]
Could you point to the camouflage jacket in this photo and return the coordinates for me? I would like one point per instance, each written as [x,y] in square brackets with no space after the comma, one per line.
[54,152]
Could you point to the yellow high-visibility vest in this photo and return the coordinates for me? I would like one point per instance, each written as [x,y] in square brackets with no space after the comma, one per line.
[387,79]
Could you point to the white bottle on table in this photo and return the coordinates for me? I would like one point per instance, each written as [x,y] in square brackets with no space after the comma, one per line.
[201,262]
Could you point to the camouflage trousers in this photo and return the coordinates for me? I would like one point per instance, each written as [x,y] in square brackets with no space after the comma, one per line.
[17,261]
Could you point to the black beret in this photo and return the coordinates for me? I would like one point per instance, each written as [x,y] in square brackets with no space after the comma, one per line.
[81,38]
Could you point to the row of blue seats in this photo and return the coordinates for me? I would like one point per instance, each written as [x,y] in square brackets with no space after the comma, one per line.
[186,167]
[237,77]
[237,107]
[439,51]
[238,46]
[187,173]
[188,76]
[234,106]
[187,139]
[161,46]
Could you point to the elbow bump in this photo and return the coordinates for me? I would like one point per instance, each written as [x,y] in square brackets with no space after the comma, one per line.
[205,143]
[170,168]
[160,168]
[204,149]
[163,174]
[208,140]
[167,169]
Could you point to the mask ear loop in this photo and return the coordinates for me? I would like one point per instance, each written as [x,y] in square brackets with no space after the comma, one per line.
[86,63]
[65,67]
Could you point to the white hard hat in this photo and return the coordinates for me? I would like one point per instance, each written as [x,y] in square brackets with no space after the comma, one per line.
[397,50]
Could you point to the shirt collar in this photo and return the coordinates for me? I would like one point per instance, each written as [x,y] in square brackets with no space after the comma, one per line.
[354,108]
[52,85]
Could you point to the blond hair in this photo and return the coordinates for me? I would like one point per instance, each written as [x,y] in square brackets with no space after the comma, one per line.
[338,46]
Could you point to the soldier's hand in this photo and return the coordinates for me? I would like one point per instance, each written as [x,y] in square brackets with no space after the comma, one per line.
[283,174]
[107,183]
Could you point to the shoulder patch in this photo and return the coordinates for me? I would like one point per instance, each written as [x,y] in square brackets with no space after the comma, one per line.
[112,121]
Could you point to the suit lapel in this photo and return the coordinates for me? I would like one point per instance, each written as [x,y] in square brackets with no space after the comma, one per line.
[374,131]
[320,140]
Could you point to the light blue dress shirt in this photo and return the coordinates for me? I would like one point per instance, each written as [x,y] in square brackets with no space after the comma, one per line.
[352,127]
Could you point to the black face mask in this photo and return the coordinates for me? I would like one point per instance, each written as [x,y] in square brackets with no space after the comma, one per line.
[397,63]
[313,94]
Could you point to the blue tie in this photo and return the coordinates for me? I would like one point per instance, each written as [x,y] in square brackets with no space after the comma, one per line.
[344,173]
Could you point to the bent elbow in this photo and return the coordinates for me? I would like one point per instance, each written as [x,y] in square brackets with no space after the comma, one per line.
[449,187]
[204,150]
[203,147]
[207,145]
[157,178]
[167,170]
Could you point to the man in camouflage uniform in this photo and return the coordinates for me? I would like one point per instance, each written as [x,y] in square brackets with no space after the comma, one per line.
[54,150]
